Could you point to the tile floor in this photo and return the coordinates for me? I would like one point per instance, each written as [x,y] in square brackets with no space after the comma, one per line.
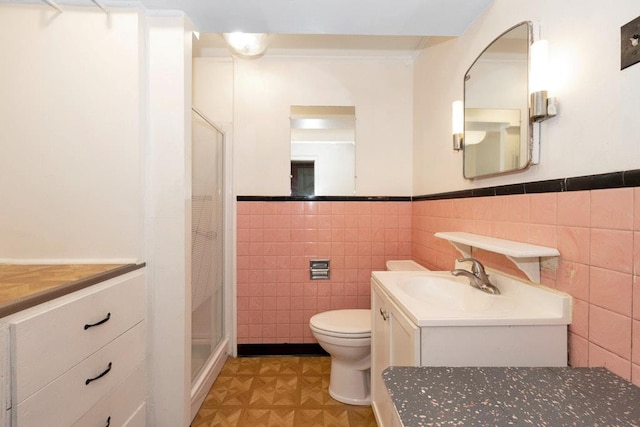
[277,391]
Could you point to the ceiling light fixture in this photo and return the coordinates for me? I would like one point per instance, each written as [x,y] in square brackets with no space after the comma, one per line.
[247,45]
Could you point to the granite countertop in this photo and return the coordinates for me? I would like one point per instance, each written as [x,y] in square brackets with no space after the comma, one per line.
[437,396]
[24,286]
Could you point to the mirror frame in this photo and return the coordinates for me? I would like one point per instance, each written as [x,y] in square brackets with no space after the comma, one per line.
[528,139]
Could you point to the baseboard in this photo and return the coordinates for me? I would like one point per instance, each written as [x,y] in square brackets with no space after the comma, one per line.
[245,350]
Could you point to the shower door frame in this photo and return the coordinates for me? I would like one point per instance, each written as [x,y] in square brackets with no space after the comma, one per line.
[201,385]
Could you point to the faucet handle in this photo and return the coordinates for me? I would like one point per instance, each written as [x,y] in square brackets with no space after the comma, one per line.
[477,268]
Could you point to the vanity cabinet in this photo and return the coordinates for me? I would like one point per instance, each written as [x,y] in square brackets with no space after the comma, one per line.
[79,359]
[415,323]
[395,340]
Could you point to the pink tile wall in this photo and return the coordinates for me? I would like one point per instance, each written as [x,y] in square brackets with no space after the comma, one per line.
[276,240]
[598,235]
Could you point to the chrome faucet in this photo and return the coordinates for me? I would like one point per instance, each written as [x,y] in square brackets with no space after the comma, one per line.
[477,277]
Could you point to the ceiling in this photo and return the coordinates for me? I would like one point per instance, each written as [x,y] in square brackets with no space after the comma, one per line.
[317,27]
[335,27]
[340,17]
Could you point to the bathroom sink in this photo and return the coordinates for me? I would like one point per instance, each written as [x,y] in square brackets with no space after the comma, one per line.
[453,295]
[437,298]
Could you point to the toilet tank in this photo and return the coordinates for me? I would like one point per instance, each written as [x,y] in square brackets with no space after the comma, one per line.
[404,265]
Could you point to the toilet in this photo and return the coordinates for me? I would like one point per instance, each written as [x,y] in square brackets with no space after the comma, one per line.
[346,336]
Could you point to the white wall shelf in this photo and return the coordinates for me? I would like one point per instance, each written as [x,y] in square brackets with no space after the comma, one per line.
[524,255]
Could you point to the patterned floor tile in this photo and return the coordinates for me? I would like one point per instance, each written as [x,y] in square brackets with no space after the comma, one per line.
[277,391]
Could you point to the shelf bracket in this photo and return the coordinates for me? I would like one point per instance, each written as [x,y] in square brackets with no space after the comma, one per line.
[465,250]
[529,266]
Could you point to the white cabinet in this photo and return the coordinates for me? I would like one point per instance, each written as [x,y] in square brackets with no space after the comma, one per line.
[5,392]
[395,340]
[79,359]
[534,333]
[120,406]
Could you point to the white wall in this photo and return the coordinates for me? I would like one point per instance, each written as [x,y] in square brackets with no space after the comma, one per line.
[168,221]
[265,89]
[71,166]
[597,127]
[213,89]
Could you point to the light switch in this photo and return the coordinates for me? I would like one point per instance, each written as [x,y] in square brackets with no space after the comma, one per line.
[630,43]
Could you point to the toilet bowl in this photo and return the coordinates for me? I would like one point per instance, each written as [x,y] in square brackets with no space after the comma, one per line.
[346,336]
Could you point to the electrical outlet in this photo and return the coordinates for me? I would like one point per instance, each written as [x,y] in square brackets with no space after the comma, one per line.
[630,43]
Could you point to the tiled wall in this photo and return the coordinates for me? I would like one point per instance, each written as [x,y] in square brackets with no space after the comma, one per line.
[598,235]
[275,242]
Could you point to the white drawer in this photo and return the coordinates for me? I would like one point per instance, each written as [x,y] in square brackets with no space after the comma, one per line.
[119,406]
[48,343]
[5,394]
[66,399]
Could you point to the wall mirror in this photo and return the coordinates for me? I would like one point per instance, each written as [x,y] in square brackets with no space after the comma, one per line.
[323,150]
[496,106]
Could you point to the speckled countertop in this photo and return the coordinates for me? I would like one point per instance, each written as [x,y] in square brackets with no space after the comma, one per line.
[24,286]
[435,396]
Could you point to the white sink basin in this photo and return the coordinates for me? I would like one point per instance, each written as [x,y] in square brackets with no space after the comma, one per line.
[441,299]
[453,295]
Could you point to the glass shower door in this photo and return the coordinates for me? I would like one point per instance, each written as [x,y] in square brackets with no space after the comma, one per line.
[207,242]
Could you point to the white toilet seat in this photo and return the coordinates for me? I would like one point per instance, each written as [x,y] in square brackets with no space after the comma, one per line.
[335,334]
[353,324]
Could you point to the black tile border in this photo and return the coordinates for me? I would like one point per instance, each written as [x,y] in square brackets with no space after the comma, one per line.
[596,182]
[628,178]
[249,350]
[631,178]
[549,186]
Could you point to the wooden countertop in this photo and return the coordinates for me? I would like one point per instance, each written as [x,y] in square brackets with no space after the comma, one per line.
[24,286]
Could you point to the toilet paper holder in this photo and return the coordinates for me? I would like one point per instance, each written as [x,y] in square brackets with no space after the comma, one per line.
[319,269]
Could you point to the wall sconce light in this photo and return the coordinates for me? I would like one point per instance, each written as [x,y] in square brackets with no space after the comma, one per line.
[247,45]
[457,124]
[542,107]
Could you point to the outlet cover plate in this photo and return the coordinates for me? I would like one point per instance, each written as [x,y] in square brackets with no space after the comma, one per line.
[630,43]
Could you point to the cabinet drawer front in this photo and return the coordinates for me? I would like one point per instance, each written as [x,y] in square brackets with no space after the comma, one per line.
[5,394]
[50,342]
[66,399]
[139,419]
[120,405]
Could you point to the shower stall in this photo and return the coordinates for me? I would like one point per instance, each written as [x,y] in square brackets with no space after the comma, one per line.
[208,341]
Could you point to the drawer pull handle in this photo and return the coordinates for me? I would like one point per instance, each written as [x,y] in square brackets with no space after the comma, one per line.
[87,326]
[384,314]
[108,422]
[87,382]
